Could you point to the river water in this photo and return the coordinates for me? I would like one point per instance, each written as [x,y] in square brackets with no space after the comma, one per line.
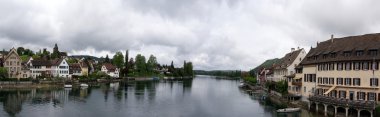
[203,96]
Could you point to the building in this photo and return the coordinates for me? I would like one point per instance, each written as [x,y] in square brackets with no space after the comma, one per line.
[110,70]
[285,68]
[342,74]
[12,62]
[84,68]
[75,70]
[49,68]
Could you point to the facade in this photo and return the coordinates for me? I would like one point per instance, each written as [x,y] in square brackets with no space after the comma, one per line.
[84,68]
[342,72]
[13,63]
[49,68]
[110,70]
[286,66]
[75,70]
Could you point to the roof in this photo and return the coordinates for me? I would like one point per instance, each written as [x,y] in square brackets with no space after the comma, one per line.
[42,62]
[109,67]
[288,59]
[333,50]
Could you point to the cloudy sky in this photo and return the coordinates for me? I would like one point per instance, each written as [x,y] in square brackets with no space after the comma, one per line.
[213,34]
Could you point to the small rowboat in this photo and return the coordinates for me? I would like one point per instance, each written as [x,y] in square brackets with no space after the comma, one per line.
[84,85]
[288,110]
[68,85]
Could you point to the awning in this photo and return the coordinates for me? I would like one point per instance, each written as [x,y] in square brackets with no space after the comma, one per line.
[296,78]
[328,91]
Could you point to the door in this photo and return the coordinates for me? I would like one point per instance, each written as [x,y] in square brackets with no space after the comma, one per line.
[351,95]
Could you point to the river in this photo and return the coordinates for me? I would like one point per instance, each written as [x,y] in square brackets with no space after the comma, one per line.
[203,96]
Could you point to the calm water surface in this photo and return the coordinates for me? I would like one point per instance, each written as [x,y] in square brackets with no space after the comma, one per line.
[202,96]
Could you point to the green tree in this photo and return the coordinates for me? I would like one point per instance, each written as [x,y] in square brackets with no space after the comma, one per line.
[151,64]
[118,60]
[3,72]
[20,51]
[140,64]
[126,64]
[24,57]
[72,60]
[107,59]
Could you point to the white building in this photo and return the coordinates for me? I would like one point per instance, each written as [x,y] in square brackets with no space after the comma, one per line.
[49,68]
[110,70]
[286,67]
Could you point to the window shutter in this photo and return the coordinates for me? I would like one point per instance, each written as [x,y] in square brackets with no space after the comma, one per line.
[370,82]
[357,96]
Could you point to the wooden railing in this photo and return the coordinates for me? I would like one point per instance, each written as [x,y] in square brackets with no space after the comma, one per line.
[359,104]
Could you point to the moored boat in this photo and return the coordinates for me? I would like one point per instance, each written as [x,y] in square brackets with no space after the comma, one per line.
[68,86]
[288,110]
[84,85]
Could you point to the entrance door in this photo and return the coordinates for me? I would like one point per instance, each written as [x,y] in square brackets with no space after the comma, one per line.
[351,95]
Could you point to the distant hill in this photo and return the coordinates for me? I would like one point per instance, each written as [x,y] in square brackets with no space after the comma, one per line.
[227,73]
[268,63]
[85,56]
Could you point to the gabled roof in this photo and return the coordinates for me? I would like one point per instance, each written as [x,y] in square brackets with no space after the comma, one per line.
[325,51]
[109,67]
[288,59]
[42,62]
[13,50]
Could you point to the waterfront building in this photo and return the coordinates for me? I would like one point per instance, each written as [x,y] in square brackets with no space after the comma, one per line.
[49,68]
[110,70]
[285,67]
[12,62]
[342,73]
[75,70]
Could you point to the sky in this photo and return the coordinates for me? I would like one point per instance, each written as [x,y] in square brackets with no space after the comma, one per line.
[213,34]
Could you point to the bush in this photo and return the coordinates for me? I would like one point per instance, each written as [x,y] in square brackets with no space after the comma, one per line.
[251,80]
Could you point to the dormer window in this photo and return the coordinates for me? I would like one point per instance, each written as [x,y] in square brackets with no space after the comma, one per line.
[333,55]
[325,56]
[373,52]
[359,53]
[347,53]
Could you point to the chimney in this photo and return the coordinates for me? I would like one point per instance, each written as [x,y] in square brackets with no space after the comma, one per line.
[292,49]
[332,38]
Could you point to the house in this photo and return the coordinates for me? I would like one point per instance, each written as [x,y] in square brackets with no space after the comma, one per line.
[285,67]
[344,73]
[49,68]
[12,62]
[110,70]
[75,70]
[84,68]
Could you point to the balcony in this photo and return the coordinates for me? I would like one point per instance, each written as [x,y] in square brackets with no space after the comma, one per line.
[359,104]
[297,83]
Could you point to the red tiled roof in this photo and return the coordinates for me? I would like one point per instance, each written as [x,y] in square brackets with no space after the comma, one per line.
[109,67]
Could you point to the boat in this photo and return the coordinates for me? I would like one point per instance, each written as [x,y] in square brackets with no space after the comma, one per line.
[241,85]
[83,85]
[68,86]
[288,110]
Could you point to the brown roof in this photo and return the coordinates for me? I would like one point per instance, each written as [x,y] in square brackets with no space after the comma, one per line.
[42,62]
[334,49]
[287,59]
[74,66]
[109,67]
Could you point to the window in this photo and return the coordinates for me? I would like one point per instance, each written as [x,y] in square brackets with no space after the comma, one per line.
[347,53]
[325,80]
[325,56]
[371,96]
[304,89]
[365,66]
[373,52]
[333,55]
[340,66]
[357,65]
[359,53]
[356,81]
[342,94]
[374,82]
[361,95]
[331,81]
[375,65]
[331,67]
[347,81]
[348,66]
[319,80]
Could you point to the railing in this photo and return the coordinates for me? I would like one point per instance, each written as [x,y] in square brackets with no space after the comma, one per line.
[297,83]
[360,104]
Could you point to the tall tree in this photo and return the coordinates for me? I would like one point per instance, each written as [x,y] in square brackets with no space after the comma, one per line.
[20,51]
[126,65]
[140,64]
[3,72]
[118,60]
[151,64]
[107,59]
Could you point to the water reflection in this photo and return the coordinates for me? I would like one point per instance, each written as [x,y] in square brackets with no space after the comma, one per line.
[202,96]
